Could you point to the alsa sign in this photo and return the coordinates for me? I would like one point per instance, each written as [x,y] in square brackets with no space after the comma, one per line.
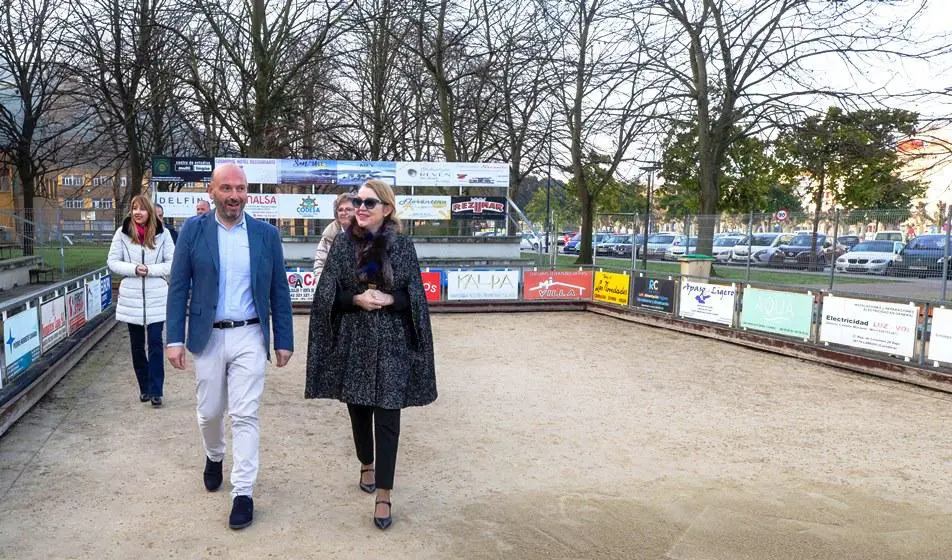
[557,285]
[479,207]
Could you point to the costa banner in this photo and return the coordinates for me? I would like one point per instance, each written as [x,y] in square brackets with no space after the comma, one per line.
[21,341]
[482,284]
[940,336]
[871,325]
[414,207]
[611,287]
[557,284]
[76,310]
[432,285]
[707,302]
[479,207]
[656,294]
[52,322]
[188,170]
[452,174]
[303,284]
[257,170]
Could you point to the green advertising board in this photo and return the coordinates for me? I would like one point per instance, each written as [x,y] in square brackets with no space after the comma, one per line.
[783,313]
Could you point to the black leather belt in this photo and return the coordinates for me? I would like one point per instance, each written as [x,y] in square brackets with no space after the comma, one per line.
[233,324]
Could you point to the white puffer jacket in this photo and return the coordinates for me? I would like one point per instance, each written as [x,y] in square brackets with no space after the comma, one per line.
[141,299]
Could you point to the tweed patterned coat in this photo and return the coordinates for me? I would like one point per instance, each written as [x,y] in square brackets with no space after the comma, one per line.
[380,358]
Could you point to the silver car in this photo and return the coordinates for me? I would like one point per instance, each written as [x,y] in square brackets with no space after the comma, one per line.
[659,243]
[762,246]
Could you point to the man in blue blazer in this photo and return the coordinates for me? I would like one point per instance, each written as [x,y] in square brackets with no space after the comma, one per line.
[228,272]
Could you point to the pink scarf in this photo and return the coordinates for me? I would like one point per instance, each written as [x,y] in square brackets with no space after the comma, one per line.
[141,231]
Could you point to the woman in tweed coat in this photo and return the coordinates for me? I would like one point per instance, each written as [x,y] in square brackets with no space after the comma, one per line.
[370,343]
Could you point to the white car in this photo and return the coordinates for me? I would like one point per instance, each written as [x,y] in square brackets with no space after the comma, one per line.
[762,245]
[724,246]
[680,248]
[529,242]
[871,257]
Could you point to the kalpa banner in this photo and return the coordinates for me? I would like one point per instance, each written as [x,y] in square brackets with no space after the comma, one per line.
[871,325]
[557,284]
[303,284]
[482,284]
[611,287]
[432,285]
[452,174]
[53,322]
[707,302]
[21,341]
[416,207]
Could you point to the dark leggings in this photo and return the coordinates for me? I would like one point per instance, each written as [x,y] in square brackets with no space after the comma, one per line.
[366,421]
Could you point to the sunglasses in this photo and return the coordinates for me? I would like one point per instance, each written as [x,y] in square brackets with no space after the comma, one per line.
[368,203]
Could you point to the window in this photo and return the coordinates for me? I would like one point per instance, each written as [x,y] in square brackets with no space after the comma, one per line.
[74,203]
[101,180]
[73,180]
[102,203]
[73,225]
[123,182]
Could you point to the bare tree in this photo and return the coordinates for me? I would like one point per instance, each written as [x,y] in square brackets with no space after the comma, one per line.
[743,66]
[44,125]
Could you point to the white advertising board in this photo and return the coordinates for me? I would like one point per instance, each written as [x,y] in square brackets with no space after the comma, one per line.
[940,335]
[452,174]
[93,299]
[707,302]
[53,322]
[257,170]
[302,284]
[871,325]
[482,284]
[416,207]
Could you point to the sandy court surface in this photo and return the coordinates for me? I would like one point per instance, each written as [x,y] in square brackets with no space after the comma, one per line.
[556,435]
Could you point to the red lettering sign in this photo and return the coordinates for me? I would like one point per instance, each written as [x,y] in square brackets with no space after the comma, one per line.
[557,284]
[432,285]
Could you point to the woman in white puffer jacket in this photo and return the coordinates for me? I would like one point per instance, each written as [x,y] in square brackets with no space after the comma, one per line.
[141,252]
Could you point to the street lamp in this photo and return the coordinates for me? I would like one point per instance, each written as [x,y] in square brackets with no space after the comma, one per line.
[650,169]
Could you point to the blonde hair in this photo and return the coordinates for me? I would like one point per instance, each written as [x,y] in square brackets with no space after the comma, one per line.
[151,223]
[343,197]
[385,194]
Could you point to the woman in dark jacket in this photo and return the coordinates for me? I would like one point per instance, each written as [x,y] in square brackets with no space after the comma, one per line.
[370,342]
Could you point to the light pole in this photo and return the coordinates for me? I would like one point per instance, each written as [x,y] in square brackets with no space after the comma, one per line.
[650,169]
[548,192]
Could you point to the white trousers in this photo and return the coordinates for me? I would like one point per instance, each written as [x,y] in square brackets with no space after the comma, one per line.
[230,372]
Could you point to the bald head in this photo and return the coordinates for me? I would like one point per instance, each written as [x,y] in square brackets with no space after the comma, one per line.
[231,171]
[229,191]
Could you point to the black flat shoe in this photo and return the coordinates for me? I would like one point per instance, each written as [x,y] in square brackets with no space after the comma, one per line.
[143,397]
[156,401]
[384,522]
[242,512]
[212,475]
[368,488]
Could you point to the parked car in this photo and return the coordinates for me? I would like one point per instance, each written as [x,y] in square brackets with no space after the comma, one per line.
[659,243]
[890,235]
[606,246]
[572,246]
[529,241]
[922,256]
[563,237]
[797,253]
[873,257]
[678,250]
[624,249]
[848,241]
[723,246]
[761,247]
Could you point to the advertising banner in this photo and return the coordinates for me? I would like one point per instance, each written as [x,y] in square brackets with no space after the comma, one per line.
[180,204]
[307,172]
[557,284]
[21,341]
[355,173]
[93,299]
[452,174]
[303,283]
[106,291]
[305,206]
[423,207]
[784,313]
[940,335]
[707,302]
[76,310]
[432,285]
[264,171]
[189,170]
[479,207]
[656,294]
[611,287]
[482,284]
[871,325]
[53,322]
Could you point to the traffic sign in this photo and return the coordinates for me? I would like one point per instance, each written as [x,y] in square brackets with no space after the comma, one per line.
[781,215]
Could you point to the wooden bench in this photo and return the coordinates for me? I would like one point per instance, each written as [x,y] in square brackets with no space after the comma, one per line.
[42,274]
[7,249]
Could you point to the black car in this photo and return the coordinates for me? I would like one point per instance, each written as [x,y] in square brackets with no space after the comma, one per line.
[624,249]
[923,256]
[796,254]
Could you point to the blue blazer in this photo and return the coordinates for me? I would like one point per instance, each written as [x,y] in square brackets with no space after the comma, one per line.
[195,267]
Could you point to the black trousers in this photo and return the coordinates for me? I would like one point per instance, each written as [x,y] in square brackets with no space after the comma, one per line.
[149,365]
[368,421]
